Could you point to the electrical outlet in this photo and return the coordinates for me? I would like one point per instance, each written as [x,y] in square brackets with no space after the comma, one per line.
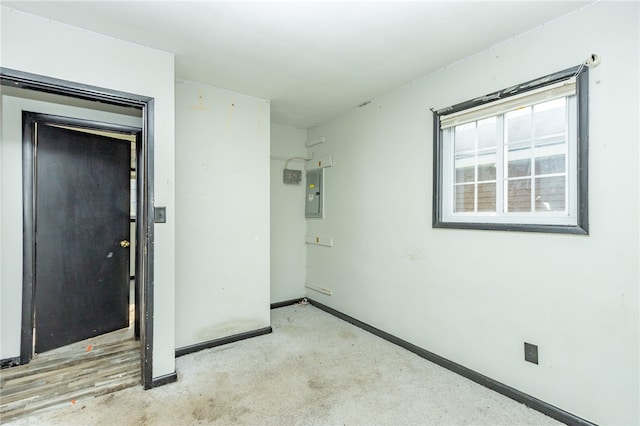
[531,352]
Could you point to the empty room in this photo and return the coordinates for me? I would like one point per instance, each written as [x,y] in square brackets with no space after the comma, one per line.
[344,212]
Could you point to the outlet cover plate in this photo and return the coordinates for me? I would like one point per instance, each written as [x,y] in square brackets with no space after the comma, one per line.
[531,352]
[160,214]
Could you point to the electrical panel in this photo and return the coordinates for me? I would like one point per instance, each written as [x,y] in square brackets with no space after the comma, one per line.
[313,205]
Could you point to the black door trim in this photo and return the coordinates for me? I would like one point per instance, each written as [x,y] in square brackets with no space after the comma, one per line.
[144,224]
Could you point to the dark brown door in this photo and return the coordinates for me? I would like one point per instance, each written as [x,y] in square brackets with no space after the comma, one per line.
[82,199]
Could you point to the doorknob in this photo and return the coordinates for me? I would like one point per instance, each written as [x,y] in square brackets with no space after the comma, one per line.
[124,243]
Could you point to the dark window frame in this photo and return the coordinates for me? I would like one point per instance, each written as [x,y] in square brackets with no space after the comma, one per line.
[582,96]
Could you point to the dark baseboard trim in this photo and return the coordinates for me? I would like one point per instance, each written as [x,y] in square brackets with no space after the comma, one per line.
[516,395]
[286,303]
[10,362]
[222,341]
[164,380]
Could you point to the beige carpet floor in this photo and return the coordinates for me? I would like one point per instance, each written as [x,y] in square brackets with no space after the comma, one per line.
[314,369]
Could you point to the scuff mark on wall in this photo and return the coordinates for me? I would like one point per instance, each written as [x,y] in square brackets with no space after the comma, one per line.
[230,115]
[417,254]
[229,328]
[200,106]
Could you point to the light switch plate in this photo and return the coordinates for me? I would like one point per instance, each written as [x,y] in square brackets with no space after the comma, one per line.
[160,214]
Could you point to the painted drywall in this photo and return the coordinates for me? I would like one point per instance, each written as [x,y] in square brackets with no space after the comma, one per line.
[475,296]
[222,228]
[288,225]
[40,46]
[11,207]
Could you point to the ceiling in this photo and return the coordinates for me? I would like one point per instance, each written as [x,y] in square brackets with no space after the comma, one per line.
[312,59]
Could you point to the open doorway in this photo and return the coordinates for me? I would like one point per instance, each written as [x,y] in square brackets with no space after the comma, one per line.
[78,212]
[102,99]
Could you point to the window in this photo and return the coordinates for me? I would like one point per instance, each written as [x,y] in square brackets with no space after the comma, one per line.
[515,159]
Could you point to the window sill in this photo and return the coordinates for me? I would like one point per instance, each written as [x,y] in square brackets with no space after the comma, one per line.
[518,227]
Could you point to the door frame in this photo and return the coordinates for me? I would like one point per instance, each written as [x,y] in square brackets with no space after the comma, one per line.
[29,191]
[145,207]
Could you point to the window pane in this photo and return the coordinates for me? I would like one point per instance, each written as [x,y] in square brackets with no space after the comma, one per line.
[465,198]
[518,125]
[550,117]
[465,137]
[487,166]
[487,197]
[465,168]
[519,195]
[548,165]
[487,133]
[550,194]
[519,162]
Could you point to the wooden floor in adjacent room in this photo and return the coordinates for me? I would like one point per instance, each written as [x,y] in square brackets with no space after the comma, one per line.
[93,367]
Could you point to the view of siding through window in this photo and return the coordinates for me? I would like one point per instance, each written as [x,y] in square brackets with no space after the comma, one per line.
[533,141]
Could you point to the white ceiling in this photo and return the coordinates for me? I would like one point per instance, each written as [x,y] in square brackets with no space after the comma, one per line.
[312,59]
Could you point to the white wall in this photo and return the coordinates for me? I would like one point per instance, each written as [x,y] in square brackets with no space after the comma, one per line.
[222,228]
[40,46]
[288,225]
[475,296]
